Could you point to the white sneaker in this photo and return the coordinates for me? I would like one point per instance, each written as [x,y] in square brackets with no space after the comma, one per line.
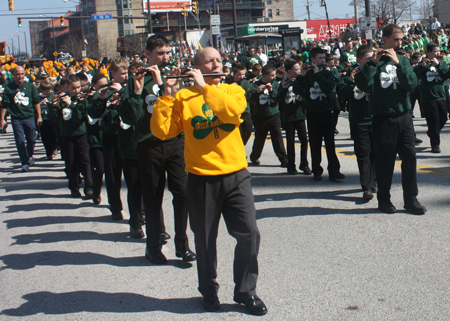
[32,161]
[25,168]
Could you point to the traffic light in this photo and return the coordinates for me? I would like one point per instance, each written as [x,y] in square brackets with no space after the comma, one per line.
[11,5]
[61,20]
[183,11]
[194,7]
[19,22]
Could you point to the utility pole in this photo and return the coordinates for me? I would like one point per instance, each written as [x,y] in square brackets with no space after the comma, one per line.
[307,9]
[235,26]
[150,27]
[215,41]
[355,4]
[367,5]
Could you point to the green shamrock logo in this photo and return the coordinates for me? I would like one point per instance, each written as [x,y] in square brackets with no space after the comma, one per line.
[205,125]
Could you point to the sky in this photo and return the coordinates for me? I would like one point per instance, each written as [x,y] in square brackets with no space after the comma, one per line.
[35,8]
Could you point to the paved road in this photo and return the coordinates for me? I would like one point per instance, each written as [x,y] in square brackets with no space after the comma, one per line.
[325,254]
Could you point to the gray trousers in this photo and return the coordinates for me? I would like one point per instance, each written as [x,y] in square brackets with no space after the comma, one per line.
[230,195]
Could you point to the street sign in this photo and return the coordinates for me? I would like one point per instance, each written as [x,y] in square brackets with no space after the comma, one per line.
[215,20]
[103,16]
[55,54]
[215,30]
[368,23]
[219,37]
[83,53]
[368,34]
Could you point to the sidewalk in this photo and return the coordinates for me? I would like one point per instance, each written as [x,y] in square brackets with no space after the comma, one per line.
[325,254]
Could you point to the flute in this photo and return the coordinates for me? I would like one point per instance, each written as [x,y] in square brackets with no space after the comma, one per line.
[188,76]
[143,71]
[384,51]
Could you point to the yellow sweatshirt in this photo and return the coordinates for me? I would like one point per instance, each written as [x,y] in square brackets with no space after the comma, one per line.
[210,120]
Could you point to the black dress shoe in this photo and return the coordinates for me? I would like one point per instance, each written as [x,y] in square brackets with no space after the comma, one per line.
[157,258]
[211,303]
[284,164]
[136,233]
[256,162]
[337,176]
[306,170]
[367,195]
[97,200]
[317,178]
[116,216]
[163,237]
[292,171]
[75,193]
[436,149]
[254,304]
[187,255]
[387,208]
[414,207]
[418,141]
[89,193]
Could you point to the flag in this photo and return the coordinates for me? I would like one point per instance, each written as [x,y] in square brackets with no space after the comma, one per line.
[199,45]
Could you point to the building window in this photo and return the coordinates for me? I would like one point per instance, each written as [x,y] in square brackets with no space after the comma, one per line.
[125,5]
[120,33]
[269,1]
[126,20]
[269,13]
[278,12]
[242,13]
[127,32]
[130,5]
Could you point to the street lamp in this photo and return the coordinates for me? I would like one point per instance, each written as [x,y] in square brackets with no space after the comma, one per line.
[18,40]
[26,45]
[14,49]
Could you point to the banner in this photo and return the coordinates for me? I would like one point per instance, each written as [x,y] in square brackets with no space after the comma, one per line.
[166,5]
[318,29]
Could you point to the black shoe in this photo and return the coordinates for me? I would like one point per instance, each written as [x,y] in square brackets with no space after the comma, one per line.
[367,195]
[158,258]
[97,200]
[317,178]
[374,190]
[418,141]
[75,193]
[337,176]
[284,164]
[387,208]
[435,149]
[256,162]
[254,304]
[306,170]
[188,255]
[89,193]
[292,171]
[415,207]
[136,233]
[211,303]
[116,216]
[163,237]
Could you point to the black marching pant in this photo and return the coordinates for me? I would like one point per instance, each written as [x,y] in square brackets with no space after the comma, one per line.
[76,158]
[290,128]
[262,126]
[363,146]
[413,97]
[337,107]
[156,158]
[113,170]
[134,196]
[97,168]
[246,127]
[392,136]
[230,195]
[49,134]
[322,126]
[436,112]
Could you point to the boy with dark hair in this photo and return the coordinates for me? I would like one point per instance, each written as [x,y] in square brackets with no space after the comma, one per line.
[246,126]
[157,157]
[255,73]
[316,85]
[266,116]
[388,78]
[360,118]
[72,112]
[433,74]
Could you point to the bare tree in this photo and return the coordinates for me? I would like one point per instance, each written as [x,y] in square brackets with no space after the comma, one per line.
[73,45]
[386,11]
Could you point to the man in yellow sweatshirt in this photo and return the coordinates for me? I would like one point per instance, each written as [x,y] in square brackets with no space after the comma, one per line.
[218,181]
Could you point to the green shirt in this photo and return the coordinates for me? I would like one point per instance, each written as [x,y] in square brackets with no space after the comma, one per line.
[264,103]
[291,105]
[20,100]
[433,80]
[359,112]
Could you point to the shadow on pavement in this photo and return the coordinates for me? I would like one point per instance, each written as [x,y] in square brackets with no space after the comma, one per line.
[306,211]
[59,258]
[49,303]
[48,220]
